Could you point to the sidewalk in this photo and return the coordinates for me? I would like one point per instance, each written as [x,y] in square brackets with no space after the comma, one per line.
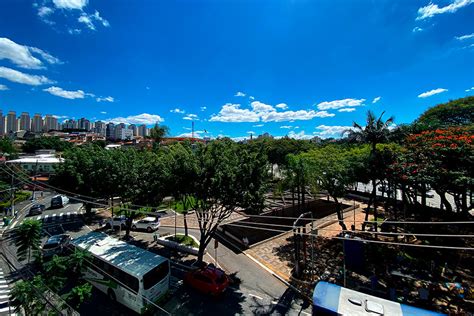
[277,253]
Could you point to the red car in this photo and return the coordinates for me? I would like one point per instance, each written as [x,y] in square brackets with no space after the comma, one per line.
[209,280]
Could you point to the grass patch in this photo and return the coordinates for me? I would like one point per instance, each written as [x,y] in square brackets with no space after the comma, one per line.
[183,240]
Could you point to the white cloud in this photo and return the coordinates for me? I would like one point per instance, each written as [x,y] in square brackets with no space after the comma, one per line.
[203,108]
[282,106]
[375,100]
[103,112]
[144,118]
[432,92]
[61,117]
[70,4]
[465,37]
[346,110]
[197,134]
[59,92]
[251,132]
[3,87]
[433,9]
[233,113]
[89,19]
[251,97]
[177,110]
[105,99]
[337,104]
[331,131]
[417,29]
[258,125]
[44,11]
[286,126]
[20,77]
[299,135]
[22,55]
[240,94]
[470,89]
[191,117]
[74,31]
[264,113]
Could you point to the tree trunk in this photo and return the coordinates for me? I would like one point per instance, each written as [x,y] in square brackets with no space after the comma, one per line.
[366,219]
[202,248]
[444,201]
[340,216]
[374,196]
[185,223]
[464,202]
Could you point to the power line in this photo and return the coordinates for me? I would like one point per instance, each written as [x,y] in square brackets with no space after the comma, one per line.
[248,215]
[363,240]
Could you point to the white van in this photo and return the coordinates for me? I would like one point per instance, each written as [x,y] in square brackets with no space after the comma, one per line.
[59,201]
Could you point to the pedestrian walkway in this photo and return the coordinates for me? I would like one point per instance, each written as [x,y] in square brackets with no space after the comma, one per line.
[49,218]
[5,308]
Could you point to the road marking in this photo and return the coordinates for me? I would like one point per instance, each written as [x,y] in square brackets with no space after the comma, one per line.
[38,218]
[3,286]
[53,217]
[3,281]
[4,297]
[68,214]
[61,216]
[5,309]
[13,225]
[45,217]
[67,206]
[256,296]
[74,213]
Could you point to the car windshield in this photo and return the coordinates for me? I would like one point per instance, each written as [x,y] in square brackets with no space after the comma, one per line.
[50,245]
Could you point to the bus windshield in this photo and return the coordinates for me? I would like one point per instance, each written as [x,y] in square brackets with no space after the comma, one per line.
[156,275]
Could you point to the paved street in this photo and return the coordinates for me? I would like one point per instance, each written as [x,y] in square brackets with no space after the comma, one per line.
[258,292]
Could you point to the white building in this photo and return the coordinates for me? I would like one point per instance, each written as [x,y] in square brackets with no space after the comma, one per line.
[126,134]
[37,164]
[37,123]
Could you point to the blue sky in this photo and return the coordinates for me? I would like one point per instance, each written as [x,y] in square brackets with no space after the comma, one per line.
[298,68]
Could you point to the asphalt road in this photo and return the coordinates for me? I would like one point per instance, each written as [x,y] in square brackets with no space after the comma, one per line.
[258,293]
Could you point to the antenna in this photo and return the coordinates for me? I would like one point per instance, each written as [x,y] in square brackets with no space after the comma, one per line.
[192,134]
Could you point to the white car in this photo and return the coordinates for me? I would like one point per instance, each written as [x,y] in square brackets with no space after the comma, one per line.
[148,223]
[117,221]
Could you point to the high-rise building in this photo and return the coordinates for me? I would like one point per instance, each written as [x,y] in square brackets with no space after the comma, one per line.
[126,134]
[2,123]
[37,123]
[142,130]
[12,122]
[84,124]
[100,128]
[118,130]
[110,131]
[25,122]
[134,129]
[50,123]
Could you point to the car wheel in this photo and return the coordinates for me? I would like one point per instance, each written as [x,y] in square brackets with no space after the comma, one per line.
[148,229]
[134,227]
[111,295]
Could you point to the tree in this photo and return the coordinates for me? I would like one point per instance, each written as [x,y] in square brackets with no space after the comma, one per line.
[230,176]
[374,132]
[28,295]
[330,169]
[183,166]
[55,143]
[158,132]
[458,112]
[6,147]
[79,294]
[28,239]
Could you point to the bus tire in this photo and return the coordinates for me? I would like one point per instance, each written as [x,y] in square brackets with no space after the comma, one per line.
[111,295]
[148,229]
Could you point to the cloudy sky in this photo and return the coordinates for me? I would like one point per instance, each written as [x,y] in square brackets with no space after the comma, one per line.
[299,68]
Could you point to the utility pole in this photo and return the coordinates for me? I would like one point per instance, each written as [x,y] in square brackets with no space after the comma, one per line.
[12,195]
[34,186]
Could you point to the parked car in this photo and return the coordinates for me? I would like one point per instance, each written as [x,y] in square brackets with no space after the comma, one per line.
[209,280]
[36,209]
[148,223]
[56,245]
[59,201]
[117,221]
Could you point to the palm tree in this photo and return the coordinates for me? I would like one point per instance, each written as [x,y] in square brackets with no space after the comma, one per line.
[374,132]
[28,239]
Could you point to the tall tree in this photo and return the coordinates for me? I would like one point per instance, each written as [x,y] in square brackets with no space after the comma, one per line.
[28,239]
[374,132]
[230,176]
[158,132]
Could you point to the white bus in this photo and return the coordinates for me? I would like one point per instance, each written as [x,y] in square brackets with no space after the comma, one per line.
[128,274]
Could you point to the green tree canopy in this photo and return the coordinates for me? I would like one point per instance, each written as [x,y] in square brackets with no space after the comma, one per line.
[55,143]
[28,239]
[453,113]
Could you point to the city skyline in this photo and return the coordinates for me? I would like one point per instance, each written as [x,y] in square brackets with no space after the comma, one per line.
[295,69]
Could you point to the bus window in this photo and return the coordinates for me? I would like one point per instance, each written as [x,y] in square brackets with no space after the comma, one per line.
[156,275]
